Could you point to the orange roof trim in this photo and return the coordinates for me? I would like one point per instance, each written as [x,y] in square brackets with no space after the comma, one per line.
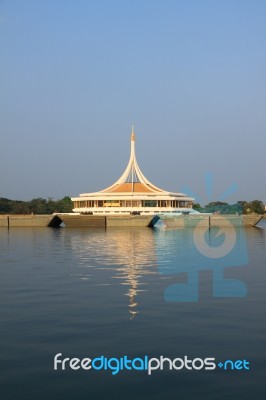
[129,187]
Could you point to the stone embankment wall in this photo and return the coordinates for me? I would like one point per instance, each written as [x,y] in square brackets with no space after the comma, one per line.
[29,220]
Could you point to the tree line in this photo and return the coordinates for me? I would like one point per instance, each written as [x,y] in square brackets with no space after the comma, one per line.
[49,206]
[35,206]
[241,207]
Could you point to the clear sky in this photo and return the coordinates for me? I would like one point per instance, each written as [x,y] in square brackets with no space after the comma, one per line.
[75,75]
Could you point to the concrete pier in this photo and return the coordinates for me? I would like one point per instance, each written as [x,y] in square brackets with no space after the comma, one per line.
[103,221]
[98,221]
[77,220]
[29,220]
[225,220]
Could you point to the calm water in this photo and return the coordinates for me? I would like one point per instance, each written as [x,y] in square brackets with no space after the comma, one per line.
[86,293]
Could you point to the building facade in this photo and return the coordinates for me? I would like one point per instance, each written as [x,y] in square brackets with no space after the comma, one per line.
[132,193]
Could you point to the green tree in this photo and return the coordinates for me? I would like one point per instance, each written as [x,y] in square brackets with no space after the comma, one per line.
[20,207]
[64,205]
[5,206]
[216,206]
[38,206]
[257,206]
[196,206]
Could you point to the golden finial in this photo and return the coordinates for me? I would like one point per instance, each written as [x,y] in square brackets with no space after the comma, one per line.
[132,134]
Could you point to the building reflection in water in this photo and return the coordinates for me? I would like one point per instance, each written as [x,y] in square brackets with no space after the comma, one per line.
[128,253]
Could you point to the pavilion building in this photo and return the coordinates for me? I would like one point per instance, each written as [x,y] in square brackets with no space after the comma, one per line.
[133,194]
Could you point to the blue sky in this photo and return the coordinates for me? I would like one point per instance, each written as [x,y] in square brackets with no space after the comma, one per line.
[75,75]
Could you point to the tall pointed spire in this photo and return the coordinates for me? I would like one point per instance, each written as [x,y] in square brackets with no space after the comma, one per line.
[132,179]
[132,134]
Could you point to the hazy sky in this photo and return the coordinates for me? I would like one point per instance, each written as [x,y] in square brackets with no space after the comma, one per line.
[75,75]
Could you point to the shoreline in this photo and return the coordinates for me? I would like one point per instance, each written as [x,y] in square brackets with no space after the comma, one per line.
[104,221]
